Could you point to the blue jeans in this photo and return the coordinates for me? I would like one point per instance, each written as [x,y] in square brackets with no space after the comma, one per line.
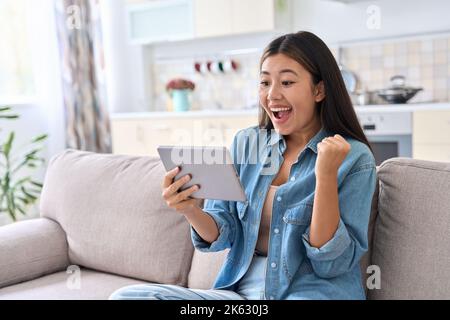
[251,287]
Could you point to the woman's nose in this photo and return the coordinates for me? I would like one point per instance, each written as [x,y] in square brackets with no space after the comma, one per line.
[274,93]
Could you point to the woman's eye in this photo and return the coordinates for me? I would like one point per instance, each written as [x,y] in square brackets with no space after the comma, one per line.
[287,83]
[264,83]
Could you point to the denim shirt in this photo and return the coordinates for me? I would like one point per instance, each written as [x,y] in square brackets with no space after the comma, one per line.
[295,269]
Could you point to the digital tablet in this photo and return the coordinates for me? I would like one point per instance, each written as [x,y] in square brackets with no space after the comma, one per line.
[210,167]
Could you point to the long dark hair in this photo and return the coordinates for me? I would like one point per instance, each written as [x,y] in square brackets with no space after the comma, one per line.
[335,110]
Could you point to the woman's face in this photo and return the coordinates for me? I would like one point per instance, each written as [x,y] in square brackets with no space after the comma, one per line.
[288,94]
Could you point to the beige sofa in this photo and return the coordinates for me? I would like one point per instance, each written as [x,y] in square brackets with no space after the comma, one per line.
[104,225]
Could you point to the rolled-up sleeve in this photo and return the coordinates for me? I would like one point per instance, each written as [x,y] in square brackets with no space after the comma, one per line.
[345,249]
[224,216]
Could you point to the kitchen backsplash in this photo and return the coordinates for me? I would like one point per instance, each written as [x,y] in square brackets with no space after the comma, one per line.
[425,62]
[232,89]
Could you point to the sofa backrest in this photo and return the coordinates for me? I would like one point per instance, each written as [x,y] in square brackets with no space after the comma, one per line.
[366,259]
[411,241]
[110,207]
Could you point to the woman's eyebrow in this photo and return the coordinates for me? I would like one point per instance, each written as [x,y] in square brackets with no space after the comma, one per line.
[289,70]
[281,71]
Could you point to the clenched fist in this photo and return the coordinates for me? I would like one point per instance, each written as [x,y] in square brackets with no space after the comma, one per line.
[331,152]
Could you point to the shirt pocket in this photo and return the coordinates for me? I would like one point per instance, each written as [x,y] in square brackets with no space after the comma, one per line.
[300,214]
[242,208]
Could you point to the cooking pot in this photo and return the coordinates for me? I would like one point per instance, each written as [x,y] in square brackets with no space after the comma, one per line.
[398,92]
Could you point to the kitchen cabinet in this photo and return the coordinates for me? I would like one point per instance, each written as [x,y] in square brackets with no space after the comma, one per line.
[431,135]
[212,18]
[160,20]
[253,15]
[168,20]
[142,135]
[225,17]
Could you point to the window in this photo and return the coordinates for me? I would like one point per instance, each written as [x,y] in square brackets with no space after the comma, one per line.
[16,73]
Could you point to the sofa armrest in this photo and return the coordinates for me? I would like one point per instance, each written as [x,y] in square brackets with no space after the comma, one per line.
[30,249]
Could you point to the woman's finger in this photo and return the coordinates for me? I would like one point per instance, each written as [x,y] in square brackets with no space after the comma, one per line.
[338,136]
[168,178]
[173,188]
[329,139]
[186,193]
[174,200]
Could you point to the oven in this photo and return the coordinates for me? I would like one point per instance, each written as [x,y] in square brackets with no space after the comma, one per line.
[389,132]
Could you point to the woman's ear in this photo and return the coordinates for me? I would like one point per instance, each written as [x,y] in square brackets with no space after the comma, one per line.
[319,92]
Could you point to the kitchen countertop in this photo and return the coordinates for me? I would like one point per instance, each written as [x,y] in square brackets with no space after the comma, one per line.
[187,114]
[411,107]
[407,107]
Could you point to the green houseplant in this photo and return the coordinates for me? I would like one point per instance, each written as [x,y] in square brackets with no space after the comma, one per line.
[17,188]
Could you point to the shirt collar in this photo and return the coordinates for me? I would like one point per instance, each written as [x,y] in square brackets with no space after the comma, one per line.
[275,137]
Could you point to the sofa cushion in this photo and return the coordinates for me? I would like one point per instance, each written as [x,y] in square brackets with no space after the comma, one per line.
[30,249]
[63,285]
[110,207]
[412,232]
[205,267]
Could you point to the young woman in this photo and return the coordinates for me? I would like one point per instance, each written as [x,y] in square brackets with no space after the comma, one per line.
[303,230]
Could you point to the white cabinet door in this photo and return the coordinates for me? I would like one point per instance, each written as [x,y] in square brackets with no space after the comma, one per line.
[221,131]
[212,18]
[431,127]
[160,20]
[252,15]
[143,136]
[432,152]
[225,17]
[431,135]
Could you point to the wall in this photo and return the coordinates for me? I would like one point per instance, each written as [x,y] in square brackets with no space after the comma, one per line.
[124,65]
[44,113]
[423,61]
[338,22]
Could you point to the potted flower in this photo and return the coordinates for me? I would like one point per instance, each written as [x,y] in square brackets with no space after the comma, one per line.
[179,90]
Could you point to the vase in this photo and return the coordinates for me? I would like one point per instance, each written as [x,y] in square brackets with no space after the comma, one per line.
[180,100]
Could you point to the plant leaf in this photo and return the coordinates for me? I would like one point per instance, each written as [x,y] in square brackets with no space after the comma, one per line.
[11,206]
[7,145]
[21,181]
[7,116]
[22,211]
[13,116]
[28,194]
[38,184]
[25,201]
[5,108]
[41,137]
[36,192]
[32,153]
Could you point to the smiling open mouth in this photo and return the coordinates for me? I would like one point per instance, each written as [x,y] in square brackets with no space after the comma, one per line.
[281,113]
